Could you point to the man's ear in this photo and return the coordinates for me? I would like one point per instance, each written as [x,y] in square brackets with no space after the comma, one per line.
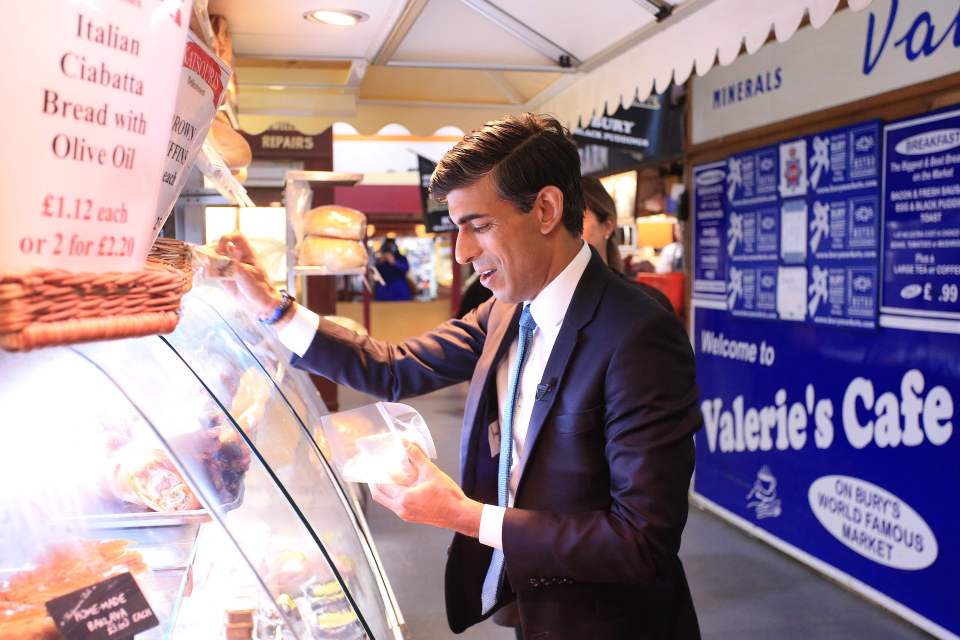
[548,208]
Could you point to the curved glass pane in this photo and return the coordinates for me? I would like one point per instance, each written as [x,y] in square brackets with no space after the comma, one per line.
[69,515]
[239,491]
[300,392]
[238,381]
[275,358]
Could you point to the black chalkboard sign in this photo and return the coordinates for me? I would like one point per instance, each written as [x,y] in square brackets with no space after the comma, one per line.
[108,610]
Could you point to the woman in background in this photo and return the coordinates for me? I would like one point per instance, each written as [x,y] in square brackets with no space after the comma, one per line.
[600,222]
[393,268]
[599,225]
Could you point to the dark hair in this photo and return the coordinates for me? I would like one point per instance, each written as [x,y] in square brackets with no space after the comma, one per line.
[598,199]
[524,153]
[389,244]
[600,202]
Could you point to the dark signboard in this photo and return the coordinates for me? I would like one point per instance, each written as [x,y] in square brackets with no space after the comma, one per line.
[647,131]
[112,608]
[289,143]
[435,215]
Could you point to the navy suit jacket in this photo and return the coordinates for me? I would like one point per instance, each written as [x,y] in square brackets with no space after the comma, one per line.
[591,544]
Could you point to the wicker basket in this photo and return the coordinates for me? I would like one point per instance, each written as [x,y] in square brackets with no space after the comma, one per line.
[55,307]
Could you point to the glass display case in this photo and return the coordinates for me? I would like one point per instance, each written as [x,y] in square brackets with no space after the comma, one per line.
[189,461]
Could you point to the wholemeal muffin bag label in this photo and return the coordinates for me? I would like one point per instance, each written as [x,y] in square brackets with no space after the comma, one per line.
[203,83]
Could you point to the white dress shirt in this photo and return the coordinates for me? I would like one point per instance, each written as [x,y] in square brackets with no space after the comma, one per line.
[548,309]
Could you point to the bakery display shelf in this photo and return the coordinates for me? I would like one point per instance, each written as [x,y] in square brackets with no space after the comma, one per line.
[121,519]
[307,270]
[331,178]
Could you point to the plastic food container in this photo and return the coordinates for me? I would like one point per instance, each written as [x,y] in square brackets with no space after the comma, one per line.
[367,443]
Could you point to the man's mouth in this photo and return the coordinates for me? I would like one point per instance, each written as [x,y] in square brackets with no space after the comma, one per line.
[485,275]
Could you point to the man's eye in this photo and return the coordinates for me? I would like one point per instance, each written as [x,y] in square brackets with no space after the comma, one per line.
[481,227]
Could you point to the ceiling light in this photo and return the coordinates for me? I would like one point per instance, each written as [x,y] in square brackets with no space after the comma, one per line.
[337,17]
[276,87]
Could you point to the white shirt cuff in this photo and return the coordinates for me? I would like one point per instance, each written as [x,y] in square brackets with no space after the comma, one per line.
[491,526]
[298,333]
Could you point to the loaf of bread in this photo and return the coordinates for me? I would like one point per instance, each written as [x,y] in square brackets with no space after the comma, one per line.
[333,254]
[229,143]
[332,221]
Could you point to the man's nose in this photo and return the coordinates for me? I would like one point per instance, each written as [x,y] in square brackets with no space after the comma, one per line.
[466,249]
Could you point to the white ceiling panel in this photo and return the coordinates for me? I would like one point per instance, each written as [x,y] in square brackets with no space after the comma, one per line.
[277,29]
[582,28]
[448,31]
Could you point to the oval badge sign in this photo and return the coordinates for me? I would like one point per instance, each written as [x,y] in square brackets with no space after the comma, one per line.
[710,178]
[873,522]
[929,142]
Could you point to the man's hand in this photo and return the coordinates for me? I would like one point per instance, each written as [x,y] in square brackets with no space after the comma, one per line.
[251,285]
[432,497]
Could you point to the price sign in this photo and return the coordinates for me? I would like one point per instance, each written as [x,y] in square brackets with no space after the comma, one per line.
[87,128]
[113,608]
[921,209]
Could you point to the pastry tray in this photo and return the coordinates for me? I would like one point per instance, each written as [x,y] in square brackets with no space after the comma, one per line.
[148,519]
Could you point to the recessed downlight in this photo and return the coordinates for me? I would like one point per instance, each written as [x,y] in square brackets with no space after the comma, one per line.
[337,17]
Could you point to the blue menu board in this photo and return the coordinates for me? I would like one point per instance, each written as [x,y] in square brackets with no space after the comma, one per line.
[753,233]
[843,225]
[752,177]
[752,290]
[845,159]
[709,214]
[921,212]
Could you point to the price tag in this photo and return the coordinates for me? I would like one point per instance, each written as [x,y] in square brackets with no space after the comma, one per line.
[113,608]
[87,128]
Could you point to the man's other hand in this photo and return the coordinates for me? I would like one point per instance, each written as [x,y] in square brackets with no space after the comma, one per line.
[250,283]
[432,497]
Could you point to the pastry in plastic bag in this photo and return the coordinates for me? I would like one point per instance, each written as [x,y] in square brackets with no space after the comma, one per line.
[144,476]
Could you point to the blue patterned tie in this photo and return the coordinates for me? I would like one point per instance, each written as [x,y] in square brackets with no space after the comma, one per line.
[491,584]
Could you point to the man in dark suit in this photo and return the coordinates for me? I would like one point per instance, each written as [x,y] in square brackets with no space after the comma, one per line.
[577,441]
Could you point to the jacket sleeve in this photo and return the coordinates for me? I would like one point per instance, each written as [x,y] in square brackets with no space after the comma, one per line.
[651,414]
[439,358]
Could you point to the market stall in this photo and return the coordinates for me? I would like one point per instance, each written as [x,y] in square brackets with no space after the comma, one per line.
[824,314]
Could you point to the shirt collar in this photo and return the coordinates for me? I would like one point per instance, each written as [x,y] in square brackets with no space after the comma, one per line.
[550,305]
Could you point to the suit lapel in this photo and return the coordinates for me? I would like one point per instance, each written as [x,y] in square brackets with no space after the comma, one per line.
[502,334]
[583,307]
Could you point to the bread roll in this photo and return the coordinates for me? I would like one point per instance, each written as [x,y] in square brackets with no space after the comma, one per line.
[333,254]
[230,144]
[332,221]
